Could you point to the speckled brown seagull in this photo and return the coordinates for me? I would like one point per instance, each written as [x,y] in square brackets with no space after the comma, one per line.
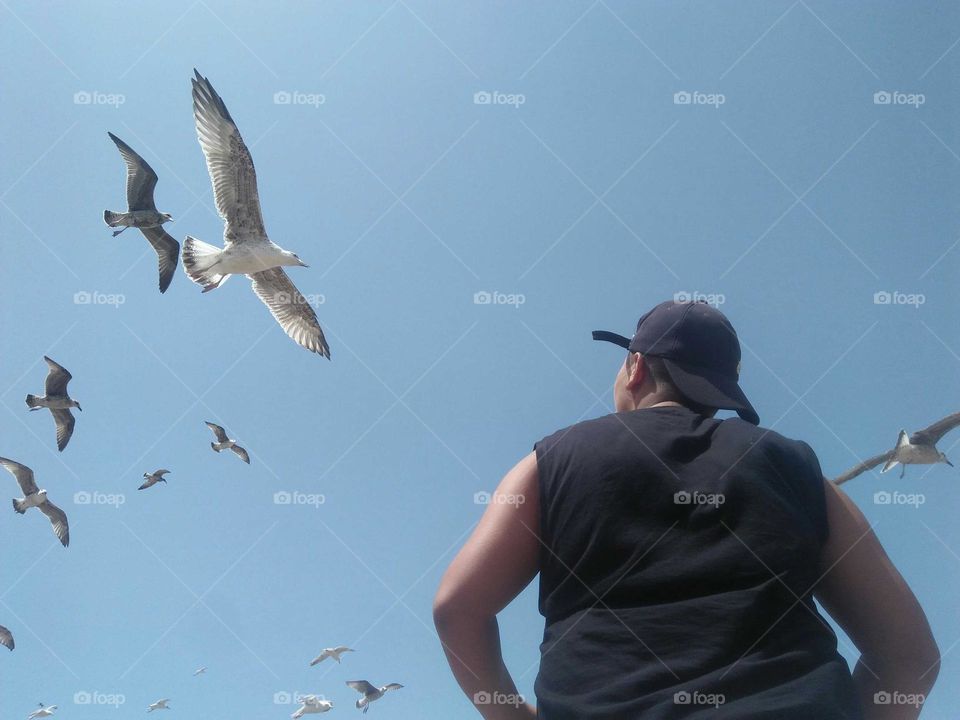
[920,448]
[56,399]
[142,213]
[247,250]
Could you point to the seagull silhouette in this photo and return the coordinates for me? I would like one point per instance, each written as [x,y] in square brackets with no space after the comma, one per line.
[57,400]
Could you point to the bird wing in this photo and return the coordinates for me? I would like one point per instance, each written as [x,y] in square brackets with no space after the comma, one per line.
[23,474]
[65,422]
[218,431]
[863,467]
[57,378]
[168,252]
[290,309]
[242,453]
[161,473]
[58,518]
[392,686]
[147,484]
[229,163]
[319,658]
[342,649]
[6,637]
[362,686]
[931,435]
[141,179]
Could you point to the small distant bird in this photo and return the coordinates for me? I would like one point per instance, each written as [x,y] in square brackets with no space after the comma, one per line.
[57,400]
[33,497]
[142,212]
[159,705]
[200,671]
[920,448]
[334,653]
[310,704]
[247,250]
[225,443]
[42,712]
[153,478]
[6,637]
[370,692]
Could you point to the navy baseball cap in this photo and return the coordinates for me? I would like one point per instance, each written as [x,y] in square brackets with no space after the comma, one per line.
[699,348]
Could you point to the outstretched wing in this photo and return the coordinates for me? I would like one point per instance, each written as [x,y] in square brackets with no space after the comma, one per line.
[168,252]
[65,422]
[362,686]
[242,453]
[218,431]
[863,467]
[58,519]
[229,163]
[23,474]
[141,179]
[57,378]
[931,435]
[290,309]
[6,637]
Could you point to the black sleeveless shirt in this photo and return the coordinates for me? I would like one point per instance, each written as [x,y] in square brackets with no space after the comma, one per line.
[679,552]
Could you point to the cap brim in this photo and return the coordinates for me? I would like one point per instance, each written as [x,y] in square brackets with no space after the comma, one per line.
[612,337]
[710,388]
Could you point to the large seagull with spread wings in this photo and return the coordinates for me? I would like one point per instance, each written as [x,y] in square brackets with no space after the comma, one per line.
[247,250]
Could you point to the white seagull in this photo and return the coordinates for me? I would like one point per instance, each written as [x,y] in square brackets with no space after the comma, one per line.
[153,478]
[334,652]
[310,704]
[225,443]
[57,400]
[6,637]
[920,448]
[247,250]
[42,712]
[33,497]
[200,671]
[370,692]
[142,213]
[158,705]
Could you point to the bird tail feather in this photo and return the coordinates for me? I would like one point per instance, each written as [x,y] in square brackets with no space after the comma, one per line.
[33,401]
[19,506]
[214,446]
[112,218]
[199,258]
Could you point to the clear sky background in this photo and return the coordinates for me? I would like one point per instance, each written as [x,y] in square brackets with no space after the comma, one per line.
[793,202]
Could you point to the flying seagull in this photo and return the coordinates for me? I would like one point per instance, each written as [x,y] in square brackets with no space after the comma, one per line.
[142,213]
[369,692]
[247,250]
[159,705]
[42,712]
[200,671]
[225,443]
[311,704]
[153,478]
[920,448]
[34,497]
[334,652]
[6,637]
[57,400]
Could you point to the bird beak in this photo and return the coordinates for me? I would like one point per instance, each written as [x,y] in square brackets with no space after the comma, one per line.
[948,462]
[302,263]
[79,408]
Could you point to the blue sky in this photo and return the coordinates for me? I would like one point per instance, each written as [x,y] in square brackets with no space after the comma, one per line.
[582,194]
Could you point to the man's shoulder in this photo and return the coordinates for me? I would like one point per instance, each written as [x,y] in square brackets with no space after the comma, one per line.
[579,431]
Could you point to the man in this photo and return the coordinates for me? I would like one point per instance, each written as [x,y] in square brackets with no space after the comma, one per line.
[679,556]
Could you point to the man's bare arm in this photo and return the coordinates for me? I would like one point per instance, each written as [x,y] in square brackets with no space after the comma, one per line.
[496,563]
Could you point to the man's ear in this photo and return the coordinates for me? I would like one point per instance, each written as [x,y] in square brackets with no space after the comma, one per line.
[636,371]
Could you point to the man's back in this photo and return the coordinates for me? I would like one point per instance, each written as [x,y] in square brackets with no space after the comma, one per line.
[679,555]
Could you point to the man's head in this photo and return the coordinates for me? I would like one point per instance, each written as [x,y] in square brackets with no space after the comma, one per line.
[685,352]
